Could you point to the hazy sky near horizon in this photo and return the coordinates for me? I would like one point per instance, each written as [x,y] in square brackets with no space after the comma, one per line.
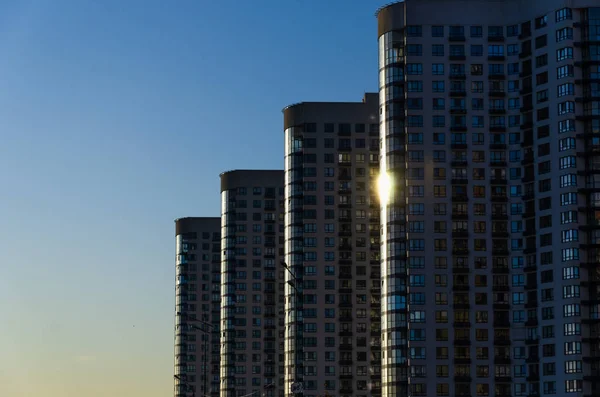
[116,117]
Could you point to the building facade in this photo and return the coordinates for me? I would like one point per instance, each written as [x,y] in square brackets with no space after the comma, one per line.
[251,283]
[197,306]
[490,129]
[332,243]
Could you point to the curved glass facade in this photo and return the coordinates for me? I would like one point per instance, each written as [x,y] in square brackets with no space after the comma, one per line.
[394,311]
[228,293]
[294,355]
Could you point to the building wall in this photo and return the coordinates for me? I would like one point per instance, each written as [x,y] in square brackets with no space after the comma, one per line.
[332,248]
[252,296]
[481,278]
[197,304]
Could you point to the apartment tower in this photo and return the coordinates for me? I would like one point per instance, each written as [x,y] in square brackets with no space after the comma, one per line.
[251,279]
[197,306]
[490,130]
[332,244]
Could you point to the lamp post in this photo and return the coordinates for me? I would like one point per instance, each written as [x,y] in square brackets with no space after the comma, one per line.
[297,386]
[206,340]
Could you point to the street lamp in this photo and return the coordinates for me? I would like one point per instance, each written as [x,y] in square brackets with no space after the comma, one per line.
[297,387]
[206,338]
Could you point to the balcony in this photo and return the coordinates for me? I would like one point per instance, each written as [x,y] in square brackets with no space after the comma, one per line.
[501,306]
[462,378]
[462,360]
[533,378]
[461,324]
[500,251]
[531,304]
[524,54]
[500,233]
[459,163]
[502,341]
[526,126]
[456,110]
[497,76]
[459,288]
[461,306]
[460,198]
[496,93]
[458,76]
[457,93]
[497,146]
[459,181]
[457,57]
[530,268]
[460,251]
[456,38]
[495,38]
[528,159]
[502,360]
[457,216]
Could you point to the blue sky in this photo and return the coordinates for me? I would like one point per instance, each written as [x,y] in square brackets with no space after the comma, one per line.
[116,117]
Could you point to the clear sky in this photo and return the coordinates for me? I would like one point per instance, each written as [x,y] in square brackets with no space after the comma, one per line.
[116,117]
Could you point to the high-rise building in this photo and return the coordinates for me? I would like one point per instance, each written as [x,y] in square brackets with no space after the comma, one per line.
[197,306]
[332,328]
[251,279]
[490,128]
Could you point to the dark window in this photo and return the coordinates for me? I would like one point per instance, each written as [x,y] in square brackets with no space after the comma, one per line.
[437,31]
[310,127]
[414,31]
[512,30]
[541,41]
[476,31]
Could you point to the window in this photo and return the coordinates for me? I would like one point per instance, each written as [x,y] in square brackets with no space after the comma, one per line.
[437,31]
[541,60]
[476,50]
[477,86]
[563,14]
[512,30]
[570,254]
[564,71]
[566,144]
[541,41]
[414,31]
[495,50]
[476,31]
[564,34]
[564,53]
[566,126]
[414,69]
[565,89]
[495,31]
[568,180]
[566,107]
[414,49]
[541,22]
[437,50]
